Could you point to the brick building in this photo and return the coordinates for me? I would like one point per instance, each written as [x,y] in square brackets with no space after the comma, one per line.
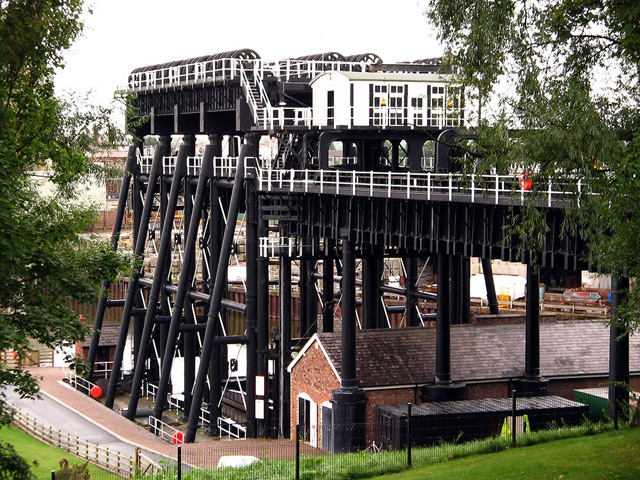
[393,365]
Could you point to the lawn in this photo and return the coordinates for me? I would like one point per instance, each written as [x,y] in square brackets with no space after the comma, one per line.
[47,457]
[614,454]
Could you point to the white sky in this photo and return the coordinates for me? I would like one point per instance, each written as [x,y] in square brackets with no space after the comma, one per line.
[124,34]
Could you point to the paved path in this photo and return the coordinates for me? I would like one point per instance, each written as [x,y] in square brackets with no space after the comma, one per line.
[77,414]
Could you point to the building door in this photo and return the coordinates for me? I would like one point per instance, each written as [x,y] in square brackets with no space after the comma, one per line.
[327,431]
[330,108]
[308,420]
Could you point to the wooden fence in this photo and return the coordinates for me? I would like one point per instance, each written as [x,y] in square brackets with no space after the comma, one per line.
[104,458]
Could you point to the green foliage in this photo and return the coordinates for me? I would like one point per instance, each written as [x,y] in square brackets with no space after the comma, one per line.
[43,258]
[558,88]
[12,465]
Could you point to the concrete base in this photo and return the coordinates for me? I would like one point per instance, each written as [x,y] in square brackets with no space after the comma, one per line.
[532,386]
[348,420]
[444,392]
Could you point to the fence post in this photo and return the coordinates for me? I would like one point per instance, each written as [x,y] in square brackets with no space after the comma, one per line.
[53,475]
[179,462]
[409,436]
[513,416]
[137,462]
[297,451]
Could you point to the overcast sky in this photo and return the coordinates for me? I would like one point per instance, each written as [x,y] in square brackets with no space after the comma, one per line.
[124,34]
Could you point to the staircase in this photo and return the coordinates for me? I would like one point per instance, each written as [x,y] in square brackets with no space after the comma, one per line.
[251,82]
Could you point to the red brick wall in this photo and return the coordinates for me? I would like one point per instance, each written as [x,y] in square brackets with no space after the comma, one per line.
[312,375]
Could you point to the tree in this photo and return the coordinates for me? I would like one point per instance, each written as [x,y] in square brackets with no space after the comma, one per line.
[556,89]
[43,259]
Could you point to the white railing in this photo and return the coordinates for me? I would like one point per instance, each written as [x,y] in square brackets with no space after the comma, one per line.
[103,368]
[115,462]
[223,167]
[150,390]
[495,189]
[79,383]
[226,69]
[169,165]
[276,246]
[145,162]
[165,431]
[229,427]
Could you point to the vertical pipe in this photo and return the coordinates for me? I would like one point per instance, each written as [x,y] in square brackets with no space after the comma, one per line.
[443,343]
[215,298]
[532,347]
[156,169]
[465,290]
[370,290]
[491,288]
[454,289]
[285,346]
[411,278]
[252,307]
[618,352]
[304,322]
[311,304]
[159,280]
[130,169]
[327,294]
[348,370]
[262,317]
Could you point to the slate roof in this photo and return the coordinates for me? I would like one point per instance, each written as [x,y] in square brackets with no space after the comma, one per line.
[390,357]
[108,336]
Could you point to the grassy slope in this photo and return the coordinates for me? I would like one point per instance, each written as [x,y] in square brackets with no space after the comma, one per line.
[613,454]
[31,449]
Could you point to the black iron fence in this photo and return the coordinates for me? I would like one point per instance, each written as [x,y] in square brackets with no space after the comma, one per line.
[401,436]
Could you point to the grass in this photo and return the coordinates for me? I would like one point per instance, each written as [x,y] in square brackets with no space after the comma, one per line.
[614,454]
[46,456]
[438,461]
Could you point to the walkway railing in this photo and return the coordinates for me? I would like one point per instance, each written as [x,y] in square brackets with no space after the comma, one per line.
[115,462]
[486,189]
[165,431]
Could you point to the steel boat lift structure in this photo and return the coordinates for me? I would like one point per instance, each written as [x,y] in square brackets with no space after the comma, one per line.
[364,170]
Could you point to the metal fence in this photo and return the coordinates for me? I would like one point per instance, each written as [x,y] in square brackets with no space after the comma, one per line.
[400,437]
[111,461]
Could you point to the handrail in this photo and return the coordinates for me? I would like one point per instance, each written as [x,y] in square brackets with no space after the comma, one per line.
[165,431]
[496,189]
[231,428]
[101,456]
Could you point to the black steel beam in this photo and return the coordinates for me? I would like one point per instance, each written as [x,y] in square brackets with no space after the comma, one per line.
[618,353]
[132,291]
[184,283]
[130,169]
[156,292]
[216,297]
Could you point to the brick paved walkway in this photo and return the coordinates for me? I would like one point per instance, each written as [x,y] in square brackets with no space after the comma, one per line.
[51,384]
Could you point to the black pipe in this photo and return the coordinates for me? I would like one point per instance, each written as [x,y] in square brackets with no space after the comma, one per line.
[348,370]
[443,341]
[411,289]
[216,297]
[159,279]
[491,287]
[141,239]
[284,413]
[327,294]
[618,353]
[103,302]
[532,341]
[252,305]
[184,282]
